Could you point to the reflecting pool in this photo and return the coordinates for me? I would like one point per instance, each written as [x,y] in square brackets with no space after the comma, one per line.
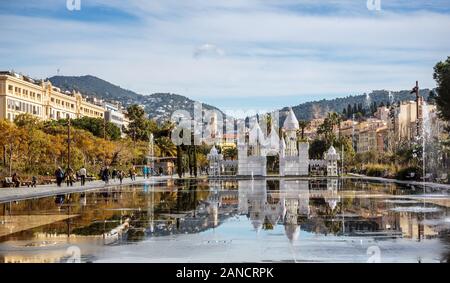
[287,220]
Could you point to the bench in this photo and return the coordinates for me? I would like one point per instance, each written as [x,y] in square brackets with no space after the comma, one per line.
[410,176]
[427,177]
[443,178]
[26,183]
[8,182]
[48,181]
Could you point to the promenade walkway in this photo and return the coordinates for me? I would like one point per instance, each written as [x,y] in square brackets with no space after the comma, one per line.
[13,194]
[414,183]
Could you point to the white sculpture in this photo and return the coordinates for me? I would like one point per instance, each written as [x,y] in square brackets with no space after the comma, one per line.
[331,157]
[215,160]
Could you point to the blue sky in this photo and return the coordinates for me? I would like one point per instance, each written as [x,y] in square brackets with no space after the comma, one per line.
[239,55]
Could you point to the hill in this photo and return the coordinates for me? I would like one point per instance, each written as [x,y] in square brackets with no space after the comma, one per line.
[159,106]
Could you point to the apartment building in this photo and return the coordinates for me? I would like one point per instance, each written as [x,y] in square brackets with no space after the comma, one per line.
[372,136]
[116,115]
[20,94]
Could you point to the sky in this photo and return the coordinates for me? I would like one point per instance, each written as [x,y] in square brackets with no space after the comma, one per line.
[238,55]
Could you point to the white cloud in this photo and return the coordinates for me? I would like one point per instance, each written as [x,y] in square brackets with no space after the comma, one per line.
[269,51]
[208,49]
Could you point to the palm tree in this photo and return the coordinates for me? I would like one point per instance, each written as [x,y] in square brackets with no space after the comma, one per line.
[166,146]
[303,124]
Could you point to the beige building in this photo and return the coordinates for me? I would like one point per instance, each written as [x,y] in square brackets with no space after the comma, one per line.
[20,94]
[372,136]
[405,122]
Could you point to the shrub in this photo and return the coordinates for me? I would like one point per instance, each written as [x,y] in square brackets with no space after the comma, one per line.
[379,170]
[406,173]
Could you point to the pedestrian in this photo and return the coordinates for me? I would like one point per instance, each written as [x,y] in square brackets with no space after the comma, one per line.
[130,172]
[33,181]
[16,180]
[69,176]
[105,175]
[121,175]
[82,173]
[59,175]
[114,174]
[145,171]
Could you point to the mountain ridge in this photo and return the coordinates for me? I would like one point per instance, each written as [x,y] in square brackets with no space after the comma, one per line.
[160,106]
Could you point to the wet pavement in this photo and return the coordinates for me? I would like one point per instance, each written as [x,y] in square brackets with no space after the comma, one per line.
[324,220]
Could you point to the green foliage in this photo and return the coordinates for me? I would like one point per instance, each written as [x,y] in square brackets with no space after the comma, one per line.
[317,149]
[139,127]
[230,153]
[97,126]
[380,170]
[442,77]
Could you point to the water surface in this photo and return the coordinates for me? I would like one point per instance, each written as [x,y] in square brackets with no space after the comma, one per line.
[325,220]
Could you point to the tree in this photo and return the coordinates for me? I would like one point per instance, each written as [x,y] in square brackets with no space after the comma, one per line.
[139,126]
[317,149]
[10,140]
[349,111]
[303,124]
[230,153]
[166,146]
[179,161]
[442,77]
[97,126]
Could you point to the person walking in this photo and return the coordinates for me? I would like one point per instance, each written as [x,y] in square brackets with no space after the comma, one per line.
[59,175]
[130,172]
[82,173]
[121,174]
[114,174]
[105,175]
[144,171]
[33,181]
[69,177]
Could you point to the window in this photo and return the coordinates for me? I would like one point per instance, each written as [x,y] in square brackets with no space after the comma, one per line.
[10,88]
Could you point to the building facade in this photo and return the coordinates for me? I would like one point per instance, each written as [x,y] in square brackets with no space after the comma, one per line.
[20,94]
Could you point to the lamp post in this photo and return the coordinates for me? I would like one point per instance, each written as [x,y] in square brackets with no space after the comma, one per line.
[68,142]
[416,91]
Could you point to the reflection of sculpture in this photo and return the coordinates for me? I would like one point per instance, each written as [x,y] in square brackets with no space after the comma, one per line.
[332,198]
[291,203]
